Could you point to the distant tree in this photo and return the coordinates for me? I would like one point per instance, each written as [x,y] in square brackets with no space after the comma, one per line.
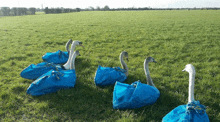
[58,10]
[15,11]
[33,10]
[19,11]
[25,11]
[91,8]
[66,10]
[52,10]
[77,9]
[98,8]
[5,11]
[46,10]
[106,8]
[72,10]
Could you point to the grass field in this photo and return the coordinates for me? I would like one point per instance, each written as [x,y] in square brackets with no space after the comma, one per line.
[173,38]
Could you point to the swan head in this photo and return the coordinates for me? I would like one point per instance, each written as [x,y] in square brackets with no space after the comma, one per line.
[150,59]
[77,53]
[78,43]
[70,41]
[189,68]
[124,53]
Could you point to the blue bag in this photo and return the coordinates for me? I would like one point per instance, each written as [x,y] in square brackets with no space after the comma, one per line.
[192,112]
[108,76]
[58,57]
[52,81]
[136,95]
[33,71]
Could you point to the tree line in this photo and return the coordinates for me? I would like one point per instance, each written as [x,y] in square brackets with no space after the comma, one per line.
[18,11]
[15,11]
[106,8]
[60,10]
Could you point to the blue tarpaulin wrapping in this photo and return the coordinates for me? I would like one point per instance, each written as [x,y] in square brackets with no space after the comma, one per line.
[58,57]
[52,81]
[33,71]
[136,95]
[192,112]
[108,76]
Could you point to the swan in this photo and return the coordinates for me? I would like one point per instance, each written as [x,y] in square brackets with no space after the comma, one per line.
[107,76]
[61,57]
[53,80]
[67,64]
[137,94]
[193,111]
[68,45]
[33,71]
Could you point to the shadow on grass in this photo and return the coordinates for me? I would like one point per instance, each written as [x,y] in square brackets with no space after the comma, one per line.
[82,102]
[14,58]
[86,102]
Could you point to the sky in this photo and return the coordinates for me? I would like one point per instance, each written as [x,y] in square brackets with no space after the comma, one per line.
[110,3]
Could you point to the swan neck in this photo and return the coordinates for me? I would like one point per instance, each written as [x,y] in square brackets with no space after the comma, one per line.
[72,49]
[67,64]
[147,73]
[191,86]
[72,65]
[67,45]
[124,65]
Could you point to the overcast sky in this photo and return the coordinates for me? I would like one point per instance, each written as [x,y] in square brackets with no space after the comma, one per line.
[110,3]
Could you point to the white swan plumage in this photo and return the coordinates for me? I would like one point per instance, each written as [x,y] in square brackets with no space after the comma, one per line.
[193,111]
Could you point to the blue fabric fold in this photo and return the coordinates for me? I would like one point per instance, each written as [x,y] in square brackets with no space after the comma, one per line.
[33,71]
[192,112]
[136,95]
[52,81]
[108,76]
[58,57]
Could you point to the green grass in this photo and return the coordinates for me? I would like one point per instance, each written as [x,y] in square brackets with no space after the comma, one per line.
[173,38]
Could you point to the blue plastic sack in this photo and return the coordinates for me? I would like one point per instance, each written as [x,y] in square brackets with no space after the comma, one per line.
[136,95]
[58,57]
[52,81]
[192,112]
[33,71]
[108,76]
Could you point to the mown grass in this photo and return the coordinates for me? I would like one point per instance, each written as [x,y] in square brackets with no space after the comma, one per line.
[173,38]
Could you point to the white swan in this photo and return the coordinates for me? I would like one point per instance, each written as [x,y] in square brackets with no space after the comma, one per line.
[192,72]
[53,80]
[72,64]
[74,43]
[67,45]
[146,70]
[34,71]
[191,112]
[123,64]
